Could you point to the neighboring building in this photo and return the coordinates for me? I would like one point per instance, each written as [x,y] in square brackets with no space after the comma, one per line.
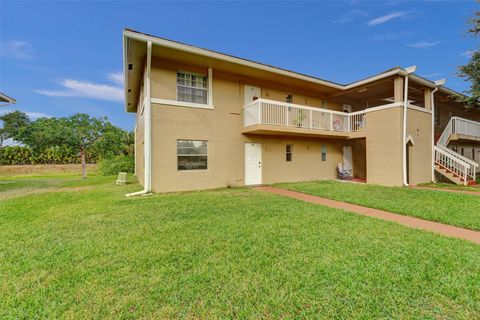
[6,100]
[210,120]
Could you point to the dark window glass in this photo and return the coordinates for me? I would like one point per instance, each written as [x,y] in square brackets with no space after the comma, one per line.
[324,152]
[192,154]
[289,149]
[289,98]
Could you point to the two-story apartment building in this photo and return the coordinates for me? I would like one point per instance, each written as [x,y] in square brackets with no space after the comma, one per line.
[206,120]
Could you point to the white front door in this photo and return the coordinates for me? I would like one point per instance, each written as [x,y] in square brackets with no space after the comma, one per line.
[251,92]
[347,158]
[253,163]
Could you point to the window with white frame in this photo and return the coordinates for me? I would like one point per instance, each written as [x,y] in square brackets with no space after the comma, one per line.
[192,154]
[192,87]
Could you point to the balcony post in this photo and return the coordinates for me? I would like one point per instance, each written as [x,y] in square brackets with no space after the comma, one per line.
[310,123]
[259,112]
[286,116]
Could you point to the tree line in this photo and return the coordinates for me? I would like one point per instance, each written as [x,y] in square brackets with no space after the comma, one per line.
[79,138]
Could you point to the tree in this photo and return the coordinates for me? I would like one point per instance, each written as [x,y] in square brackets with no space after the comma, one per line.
[82,132]
[471,71]
[42,134]
[13,123]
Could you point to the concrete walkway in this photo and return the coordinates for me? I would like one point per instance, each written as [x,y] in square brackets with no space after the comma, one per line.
[476,193]
[435,227]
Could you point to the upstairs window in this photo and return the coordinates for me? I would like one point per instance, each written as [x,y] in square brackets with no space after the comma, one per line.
[192,87]
[192,154]
[289,98]
[289,151]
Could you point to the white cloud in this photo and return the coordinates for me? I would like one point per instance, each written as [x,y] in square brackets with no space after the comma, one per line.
[424,44]
[116,77]
[17,49]
[36,115]
[385,18]
[467,54]
[350,16]
[31,115]
[431,75]
[391,36]
[84,89]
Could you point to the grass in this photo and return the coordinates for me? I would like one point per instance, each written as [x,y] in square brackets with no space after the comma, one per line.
[221,254]
[451,186]
[39,170]
[461,210]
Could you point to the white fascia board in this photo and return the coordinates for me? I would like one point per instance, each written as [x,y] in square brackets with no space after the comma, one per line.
[220,56]
[127,34]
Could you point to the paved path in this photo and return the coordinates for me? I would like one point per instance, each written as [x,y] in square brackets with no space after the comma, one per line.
[477,193]
[411,222]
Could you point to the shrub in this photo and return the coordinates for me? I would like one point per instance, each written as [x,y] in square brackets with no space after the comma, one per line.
[11,155]
[114,165]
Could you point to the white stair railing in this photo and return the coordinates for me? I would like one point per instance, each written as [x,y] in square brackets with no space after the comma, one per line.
[447,132]
[453,164]
[451,160]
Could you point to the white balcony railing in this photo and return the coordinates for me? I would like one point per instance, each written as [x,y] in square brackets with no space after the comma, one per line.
[466,127]
[269,112]
[458,125]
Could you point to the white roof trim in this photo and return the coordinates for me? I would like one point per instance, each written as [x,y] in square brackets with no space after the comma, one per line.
[129,34]
[7,98]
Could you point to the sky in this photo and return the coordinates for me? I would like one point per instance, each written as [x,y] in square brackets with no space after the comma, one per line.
[61,58]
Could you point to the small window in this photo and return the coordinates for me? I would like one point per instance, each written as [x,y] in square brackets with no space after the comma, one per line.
[289,98]
[192,87]
[473,153]
[324,152]
[289,150]
[191,155]
[462,151]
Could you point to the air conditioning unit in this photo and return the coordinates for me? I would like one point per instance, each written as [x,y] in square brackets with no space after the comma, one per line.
[347,108]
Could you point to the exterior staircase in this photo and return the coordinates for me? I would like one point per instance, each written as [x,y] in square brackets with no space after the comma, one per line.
[450,164]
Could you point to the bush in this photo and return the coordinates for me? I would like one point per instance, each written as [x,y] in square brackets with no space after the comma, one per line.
[114,165]
[11,155]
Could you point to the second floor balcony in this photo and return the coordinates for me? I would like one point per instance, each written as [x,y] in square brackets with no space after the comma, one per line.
[275,116]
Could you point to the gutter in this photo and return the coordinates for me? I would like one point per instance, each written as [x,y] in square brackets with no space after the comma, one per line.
[438,83]
[405,107]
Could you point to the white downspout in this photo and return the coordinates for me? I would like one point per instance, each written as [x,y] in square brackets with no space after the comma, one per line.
[405,107]
[147,188]
[432,103]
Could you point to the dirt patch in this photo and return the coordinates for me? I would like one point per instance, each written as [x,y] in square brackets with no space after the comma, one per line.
[44,169]
[16,193]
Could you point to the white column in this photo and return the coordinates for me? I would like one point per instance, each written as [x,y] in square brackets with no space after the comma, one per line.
[148,121]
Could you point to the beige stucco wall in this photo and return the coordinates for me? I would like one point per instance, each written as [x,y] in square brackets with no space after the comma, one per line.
[306,161]
[419,127]
[378,156]
[222,128]
[359,150]
[384,147]
[140,142]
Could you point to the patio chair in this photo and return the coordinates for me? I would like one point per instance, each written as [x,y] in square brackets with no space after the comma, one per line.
[343,174]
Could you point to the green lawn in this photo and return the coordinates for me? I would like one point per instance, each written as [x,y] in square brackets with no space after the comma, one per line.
[461,210]
[84,251]
[451,186]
